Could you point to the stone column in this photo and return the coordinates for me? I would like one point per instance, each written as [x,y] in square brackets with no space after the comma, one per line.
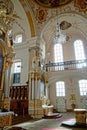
[7,82]
[46,90]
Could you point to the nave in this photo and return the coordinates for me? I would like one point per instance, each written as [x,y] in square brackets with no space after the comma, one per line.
[48,124]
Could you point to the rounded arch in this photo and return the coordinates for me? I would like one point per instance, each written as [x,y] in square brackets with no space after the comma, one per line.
[78,27]
[29,17]
[63,76]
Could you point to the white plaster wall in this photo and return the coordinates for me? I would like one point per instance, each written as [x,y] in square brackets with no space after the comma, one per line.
[23,24]
[52,94]
[23,54]
[21,50]
[71,87]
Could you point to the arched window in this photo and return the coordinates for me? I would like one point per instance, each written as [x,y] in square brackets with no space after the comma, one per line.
[17,72]
[79,52]
[60,88]
[58,55]
[83,87]
[18,39]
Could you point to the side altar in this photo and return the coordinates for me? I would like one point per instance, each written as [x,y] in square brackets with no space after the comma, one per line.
[80,116]
[6,119]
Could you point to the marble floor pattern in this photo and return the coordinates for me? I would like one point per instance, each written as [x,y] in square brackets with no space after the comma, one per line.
[39,124]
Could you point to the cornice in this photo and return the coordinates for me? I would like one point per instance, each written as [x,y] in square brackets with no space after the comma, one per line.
[26,45]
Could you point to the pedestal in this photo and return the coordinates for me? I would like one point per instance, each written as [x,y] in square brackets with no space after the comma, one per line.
[35,108]
[6,119]
[80,116]
[47,109]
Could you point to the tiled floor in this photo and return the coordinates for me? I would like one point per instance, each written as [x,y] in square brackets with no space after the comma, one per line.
[50,124]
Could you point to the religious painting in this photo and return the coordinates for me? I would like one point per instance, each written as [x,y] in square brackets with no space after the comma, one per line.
[1,66]
[41,15]
[52,3]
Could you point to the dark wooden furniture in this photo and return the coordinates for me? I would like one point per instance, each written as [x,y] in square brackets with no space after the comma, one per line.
[19,99]
[16,128]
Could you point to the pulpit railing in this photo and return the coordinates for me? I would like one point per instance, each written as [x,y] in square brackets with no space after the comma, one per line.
[67,65]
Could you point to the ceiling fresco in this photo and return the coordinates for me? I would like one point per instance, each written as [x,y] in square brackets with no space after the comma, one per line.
[52,3]
[82,4]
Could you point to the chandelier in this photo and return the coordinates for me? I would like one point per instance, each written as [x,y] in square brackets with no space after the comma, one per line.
[59,37]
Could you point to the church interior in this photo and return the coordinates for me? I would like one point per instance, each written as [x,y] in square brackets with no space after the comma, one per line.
[43,69]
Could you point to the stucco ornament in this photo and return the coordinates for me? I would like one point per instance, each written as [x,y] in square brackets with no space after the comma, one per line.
[52,3]
[45,100]
[82,4]
[41,15]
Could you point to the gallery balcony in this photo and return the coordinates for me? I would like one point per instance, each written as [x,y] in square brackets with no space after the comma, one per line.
[73,65]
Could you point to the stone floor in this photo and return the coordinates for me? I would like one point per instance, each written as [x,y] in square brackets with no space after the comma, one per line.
[48,124]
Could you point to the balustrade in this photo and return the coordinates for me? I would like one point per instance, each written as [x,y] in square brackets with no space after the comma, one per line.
[67,65]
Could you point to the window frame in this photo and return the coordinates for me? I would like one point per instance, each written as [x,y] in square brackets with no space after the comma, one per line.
[60,90]
[82,88]
[17,39]
[17,73]
[79,53]
[58,55]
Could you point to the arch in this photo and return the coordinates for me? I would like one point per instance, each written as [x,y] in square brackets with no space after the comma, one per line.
[77,21]
[65,75]
[29,17]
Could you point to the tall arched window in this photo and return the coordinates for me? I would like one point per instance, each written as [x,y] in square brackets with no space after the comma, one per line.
[83,87]
[79,52]
[17,72]
[60,88]
[58,55]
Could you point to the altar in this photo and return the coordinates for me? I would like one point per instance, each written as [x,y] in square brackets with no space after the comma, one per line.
[6,119]
[79,120]
[80,116]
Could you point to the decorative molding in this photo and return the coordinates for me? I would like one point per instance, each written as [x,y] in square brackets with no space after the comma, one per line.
[52,3]
[81,4]
[41,15]
[29,17]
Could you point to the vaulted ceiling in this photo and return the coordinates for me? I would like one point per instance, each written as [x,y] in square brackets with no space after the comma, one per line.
[39,18]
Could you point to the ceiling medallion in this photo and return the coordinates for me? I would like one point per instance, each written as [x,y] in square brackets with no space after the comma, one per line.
[52,3]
